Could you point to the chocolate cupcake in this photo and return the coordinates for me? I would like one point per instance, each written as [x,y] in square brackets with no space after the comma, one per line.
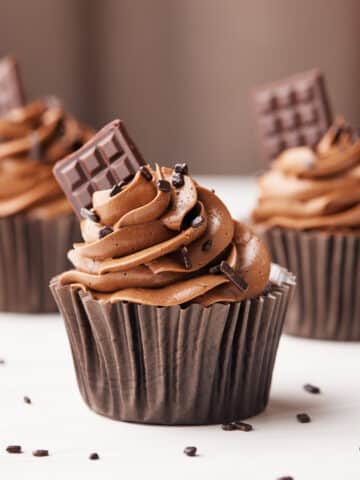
[309,215]
[169,310]
[37,225]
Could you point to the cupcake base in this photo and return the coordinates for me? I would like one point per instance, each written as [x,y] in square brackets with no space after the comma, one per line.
[32,251]
[174,365]
[327,266]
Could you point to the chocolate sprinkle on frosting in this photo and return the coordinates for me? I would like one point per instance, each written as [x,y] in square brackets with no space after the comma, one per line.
[105,231]
[90,214]
[145,173]
[215,270]
[190,451]
[199,220]
[178,180]
[206,245]
[117,188]
[186,257]
[238,281]
[40,453]
[181,168]
[312,389]
[163,185]
[303,418]
[14,449]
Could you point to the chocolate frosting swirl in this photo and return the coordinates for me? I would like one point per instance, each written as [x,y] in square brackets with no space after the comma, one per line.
[32,139]
[307,189]
[141,257]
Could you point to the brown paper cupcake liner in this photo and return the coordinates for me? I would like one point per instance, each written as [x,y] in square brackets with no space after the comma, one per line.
[32,251]
[327,266]
[174,365]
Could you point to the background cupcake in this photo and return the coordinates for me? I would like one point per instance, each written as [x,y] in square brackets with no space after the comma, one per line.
[37,225]
[309,215]
[169,310]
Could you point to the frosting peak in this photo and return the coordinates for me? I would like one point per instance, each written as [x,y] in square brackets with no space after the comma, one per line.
[156,242]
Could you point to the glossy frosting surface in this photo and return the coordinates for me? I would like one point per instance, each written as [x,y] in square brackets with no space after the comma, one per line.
[141,260]
[320,189]
[32,139]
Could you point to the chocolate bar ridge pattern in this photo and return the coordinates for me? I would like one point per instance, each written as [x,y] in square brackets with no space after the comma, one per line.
[11,90]
[292,112]
[105,160]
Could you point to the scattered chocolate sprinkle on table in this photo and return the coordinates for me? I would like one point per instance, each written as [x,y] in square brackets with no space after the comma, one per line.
[40,453]
[2,361]
[190,451]
[186,257]
[105,231]
[303,418]
[14,449]
[228,427]
[90,214]
[163,185]
[27,400]
[286,478]
[94,456]
[312,389]
[145,173]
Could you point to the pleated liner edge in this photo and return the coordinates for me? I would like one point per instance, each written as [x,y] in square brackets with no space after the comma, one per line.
[32,251]
[173,365]
[327,266]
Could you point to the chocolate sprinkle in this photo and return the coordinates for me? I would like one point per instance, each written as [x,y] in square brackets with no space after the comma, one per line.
[215,270]
[117,188]
[228,427]
[178,180]
[90,214]
[27,400]
[199,220]
[286,478]
[186,257]
[238,281]
[181,168]
[190,451]
[163,185]
[40,453]
[303,418]
[311,389]
[94,456]
[105,231]
[206,245]
[145,173]
[244,427]
[14,449]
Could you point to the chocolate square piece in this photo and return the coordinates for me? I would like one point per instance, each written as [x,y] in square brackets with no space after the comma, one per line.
[107,159]
[292,112]
[11,91]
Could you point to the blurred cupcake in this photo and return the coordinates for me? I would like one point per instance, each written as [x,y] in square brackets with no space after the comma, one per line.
[309,215]
[37,225]
[169,310]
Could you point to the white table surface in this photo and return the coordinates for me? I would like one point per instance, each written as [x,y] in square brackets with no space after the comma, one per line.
[39,365]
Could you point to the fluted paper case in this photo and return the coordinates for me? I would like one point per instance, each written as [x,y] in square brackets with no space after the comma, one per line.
[174,365]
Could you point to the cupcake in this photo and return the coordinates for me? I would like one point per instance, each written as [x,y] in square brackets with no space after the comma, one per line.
[308,213]
[173,311]
[37,225]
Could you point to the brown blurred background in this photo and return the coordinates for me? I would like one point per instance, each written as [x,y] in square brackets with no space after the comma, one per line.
[179,71]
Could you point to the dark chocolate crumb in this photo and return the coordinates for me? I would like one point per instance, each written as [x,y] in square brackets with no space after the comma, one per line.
[303,418]
[228,427]
[27,400]
[117,188]
[206,245]
[244,427]
[198,220]
[190,451]
[94,456]
[215,270]
[178,180]
[311,389]
[14,449]
[40,453]
[181,168]
[145,173]
[238,281]
[186,257]
[90,214]
[105,231]
[163,185]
